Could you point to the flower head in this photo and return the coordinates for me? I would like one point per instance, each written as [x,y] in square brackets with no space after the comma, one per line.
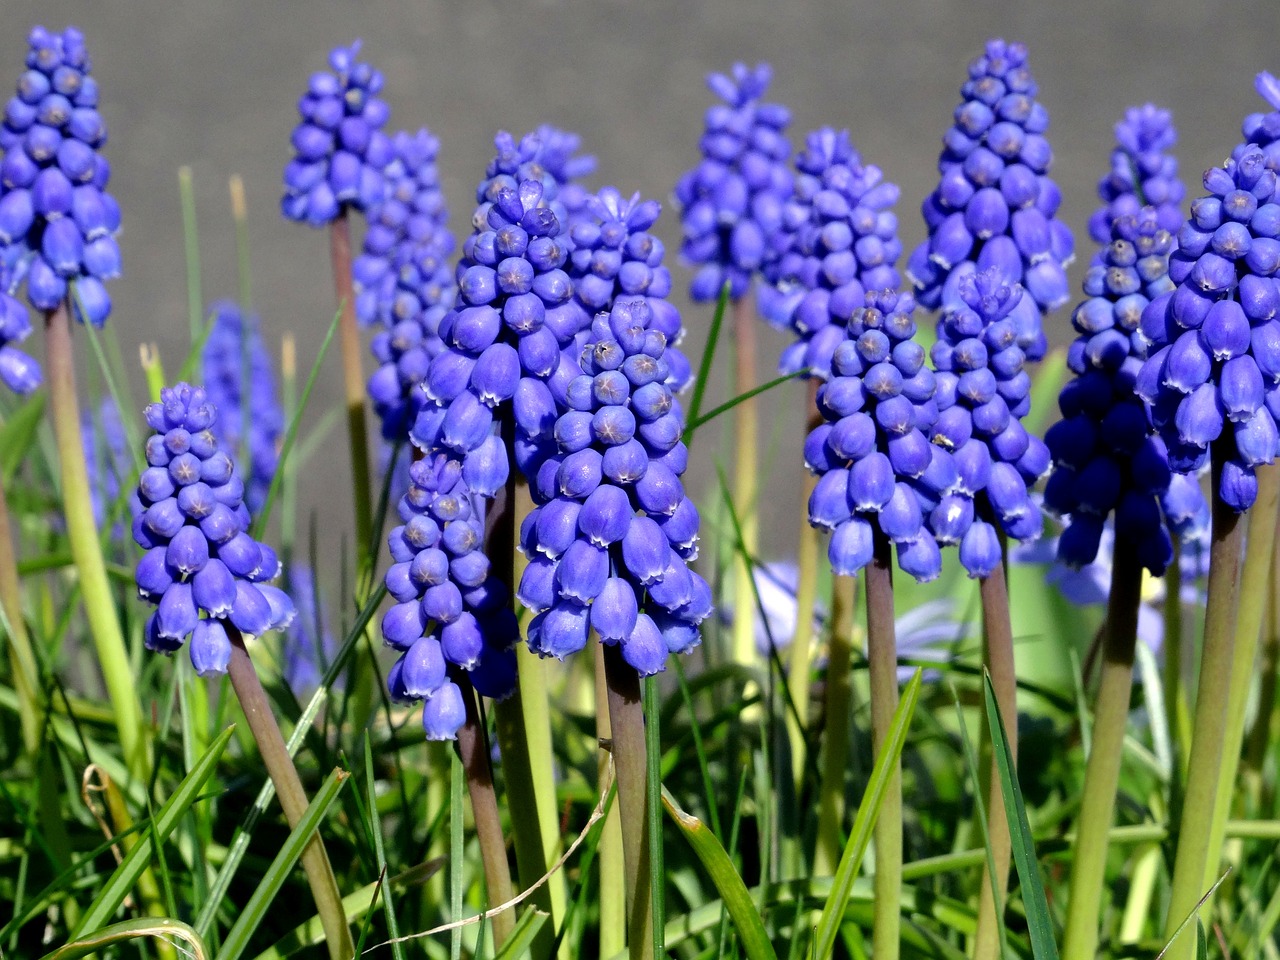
[1106,458]
[339,147]
[876,469]
[983,393]
[1263,129]
[548,155]
[57,221]
[612,533]
[839,239]
[450,613]
[248,415]
[731,202]
[1214,369]
[18,370]
[995,206]
[201,568]
[107,459]
[309,642]
[1143,173]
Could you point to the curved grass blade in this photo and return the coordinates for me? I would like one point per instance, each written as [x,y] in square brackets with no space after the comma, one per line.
[704,367]
[824,938]
[1039,921]
[162,928]
[734,893]
[251,916]
[166,818]
[522,937]
[741,398]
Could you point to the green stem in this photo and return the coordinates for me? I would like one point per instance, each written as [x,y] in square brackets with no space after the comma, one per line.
[882,663]
[838,704]
[293,798]
[1102,774]
[997,641]
[1177,716]
[473,752]
[86,549]
[353,386]
[613,893]
[1268,672]
[22,657]
[1254,578]
[1210,725]
[191,248]
[745,481]
[800,665]
[152,369]
[626,716]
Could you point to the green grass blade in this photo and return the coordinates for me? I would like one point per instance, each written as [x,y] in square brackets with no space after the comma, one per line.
[1193,915]
[188,369]
[393,928]
[740,398]
[18,434]
[251,916]
[162,928]
[1039,921]
[708,355]
[291,435]
[522,937]
[832,918]
[167,817]
[653,785]
[734,893]
[456,866]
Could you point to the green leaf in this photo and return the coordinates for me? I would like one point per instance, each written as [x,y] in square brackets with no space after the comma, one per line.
[742,398]
[704,368]
[18,434]
[126,875]
[653,805]
[162,928]
[737,899]
[824,938]
[251,916]
[1039,921]
[522,937]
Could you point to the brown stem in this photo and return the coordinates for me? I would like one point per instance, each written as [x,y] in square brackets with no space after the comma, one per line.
[882,661]
[293,798]
[626,718]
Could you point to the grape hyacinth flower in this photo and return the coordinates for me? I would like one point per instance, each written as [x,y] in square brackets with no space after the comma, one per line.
[451,614]
[612,534]
[731,202]
[106,456]
[548,155]
[18,370]
[1214,372]
[57,221]
[983,393]
[1106,457]
[1263,129]
[839,239]
[339,147]
[505,343]
[228,359]
[615,255]
[1143,173]
[201,568]
[996,206]
[876,470]
[309,643]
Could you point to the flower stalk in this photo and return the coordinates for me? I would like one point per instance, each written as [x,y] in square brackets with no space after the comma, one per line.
[1102,775]
[882,658]
[22,658]
[293,797]
[835,741]
[613,895]
[746,425]
[800,659]
[86,548]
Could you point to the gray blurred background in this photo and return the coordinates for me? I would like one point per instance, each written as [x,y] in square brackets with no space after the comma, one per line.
[213,85]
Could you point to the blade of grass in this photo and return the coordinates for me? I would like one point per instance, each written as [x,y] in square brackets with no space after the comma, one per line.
[393,928]
[18,434]
[124,405]
[704,367]
[860,836]
[126,875]
[456,866]
[291,435]
[251,916]
[1039,921]
[734,893]
[162,928]
[523,936]
[741,398]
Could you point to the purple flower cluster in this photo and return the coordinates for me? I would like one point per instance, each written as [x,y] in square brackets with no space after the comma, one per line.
[615,255]
[18,370]
[548,155]
[877,471]
[996,206]
[1263,129]
[309,642]
[339,147]
[199,556]
[731,202]
[983,394]
[506,342]
[450,612]
[1105,455]
[57,222]
[1143,173]
[1213,375]
[404,281]
[839,239]
[250,416]
[610,539]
